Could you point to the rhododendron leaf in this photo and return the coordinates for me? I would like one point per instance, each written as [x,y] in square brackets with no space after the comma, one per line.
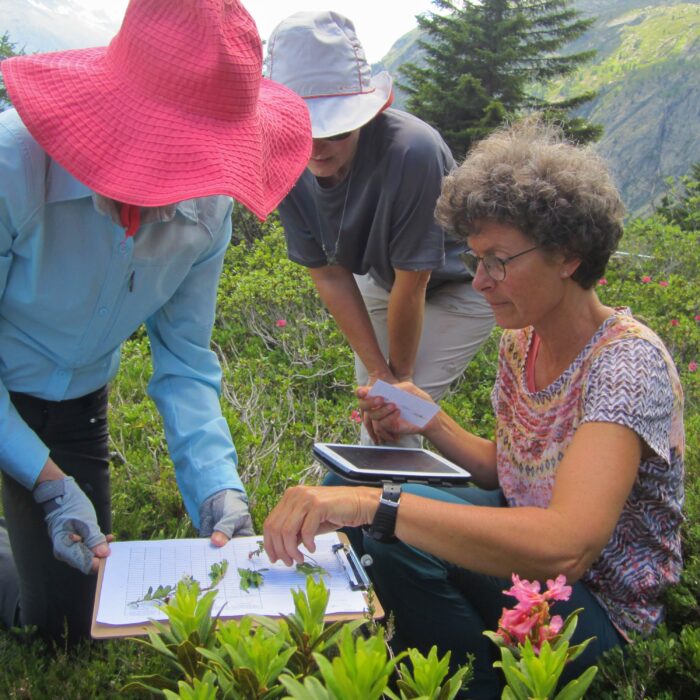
[514,676]
[569,627]
[496,638]
[576,689]
[578,649]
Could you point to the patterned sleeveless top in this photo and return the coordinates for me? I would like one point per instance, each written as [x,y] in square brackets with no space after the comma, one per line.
[625,376]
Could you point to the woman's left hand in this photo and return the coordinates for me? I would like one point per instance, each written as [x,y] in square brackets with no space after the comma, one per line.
[384,416]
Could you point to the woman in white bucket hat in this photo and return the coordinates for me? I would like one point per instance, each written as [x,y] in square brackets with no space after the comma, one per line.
[361,216]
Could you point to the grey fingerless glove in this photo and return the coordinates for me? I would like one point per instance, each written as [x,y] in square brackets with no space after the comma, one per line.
[68,511]
[226,511]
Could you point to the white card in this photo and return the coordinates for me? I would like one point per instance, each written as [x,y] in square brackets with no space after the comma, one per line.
[413,409]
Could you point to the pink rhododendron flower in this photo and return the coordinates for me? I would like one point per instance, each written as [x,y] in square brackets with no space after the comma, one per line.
[280,323]
[674,321]
[646,279]
[517,624]
[663,283]
[557,589]
[530,618]
[697,318]
[692,366]
[356,416]
[602,281]
[527,594]
[547,632]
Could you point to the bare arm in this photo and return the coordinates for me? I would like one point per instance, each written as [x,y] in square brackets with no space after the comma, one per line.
[50,472]
[405,320]
[338,291]
[592,484]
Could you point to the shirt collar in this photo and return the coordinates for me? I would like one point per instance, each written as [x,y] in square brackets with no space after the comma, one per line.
[61,186]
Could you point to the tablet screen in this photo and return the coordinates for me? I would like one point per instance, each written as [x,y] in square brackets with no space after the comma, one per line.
[388,459]
[400,461]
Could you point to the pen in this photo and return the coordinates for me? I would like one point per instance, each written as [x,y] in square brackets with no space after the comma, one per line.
[131,280]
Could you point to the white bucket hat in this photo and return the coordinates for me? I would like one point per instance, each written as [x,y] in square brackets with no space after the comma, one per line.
[318,56]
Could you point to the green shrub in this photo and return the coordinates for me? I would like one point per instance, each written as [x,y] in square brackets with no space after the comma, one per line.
[258,658]
[288,385]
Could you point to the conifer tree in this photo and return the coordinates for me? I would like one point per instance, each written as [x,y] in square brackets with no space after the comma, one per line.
[7,49]
[482,61]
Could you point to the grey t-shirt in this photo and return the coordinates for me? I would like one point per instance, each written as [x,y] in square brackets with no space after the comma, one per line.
[381,216]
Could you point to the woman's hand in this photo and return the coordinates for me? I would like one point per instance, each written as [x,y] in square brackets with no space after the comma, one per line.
[307,511]
[384,417]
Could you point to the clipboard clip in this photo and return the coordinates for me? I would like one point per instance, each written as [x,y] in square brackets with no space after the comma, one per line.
[357,576]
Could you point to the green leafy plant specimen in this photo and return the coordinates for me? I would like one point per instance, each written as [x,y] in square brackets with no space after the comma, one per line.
[251,578]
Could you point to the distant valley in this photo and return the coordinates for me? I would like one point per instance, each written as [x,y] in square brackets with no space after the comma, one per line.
[647,72]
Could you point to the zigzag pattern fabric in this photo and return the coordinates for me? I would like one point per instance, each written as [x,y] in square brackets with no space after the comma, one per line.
[625,376]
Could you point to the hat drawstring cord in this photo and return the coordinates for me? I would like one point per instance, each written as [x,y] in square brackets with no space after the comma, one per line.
[130,218]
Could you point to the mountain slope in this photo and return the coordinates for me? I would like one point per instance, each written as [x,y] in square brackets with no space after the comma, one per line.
[647,71]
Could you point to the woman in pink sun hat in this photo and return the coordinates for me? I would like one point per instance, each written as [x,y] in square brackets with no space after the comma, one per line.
[117,165]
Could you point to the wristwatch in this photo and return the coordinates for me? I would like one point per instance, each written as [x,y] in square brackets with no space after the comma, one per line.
[384,522]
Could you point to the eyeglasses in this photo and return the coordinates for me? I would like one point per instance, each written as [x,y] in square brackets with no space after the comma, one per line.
[337,137]
[495,267]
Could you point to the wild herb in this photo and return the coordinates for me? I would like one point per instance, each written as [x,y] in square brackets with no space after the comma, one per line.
[216,574]
[251,578]
[257,551]
[162,594]
[311,568]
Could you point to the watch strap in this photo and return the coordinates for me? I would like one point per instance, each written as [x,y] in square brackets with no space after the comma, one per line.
[384,521]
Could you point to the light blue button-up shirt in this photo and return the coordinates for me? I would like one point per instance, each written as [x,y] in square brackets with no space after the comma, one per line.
[73,288]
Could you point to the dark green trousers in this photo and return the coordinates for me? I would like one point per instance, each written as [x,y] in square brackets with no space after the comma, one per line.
[437,603]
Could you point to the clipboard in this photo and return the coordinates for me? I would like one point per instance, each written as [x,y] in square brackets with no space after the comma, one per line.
[353,571]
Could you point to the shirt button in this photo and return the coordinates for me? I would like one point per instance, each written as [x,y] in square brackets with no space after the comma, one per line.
[103,311]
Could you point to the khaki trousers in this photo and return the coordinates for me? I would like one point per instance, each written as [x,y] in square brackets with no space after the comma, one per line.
[456,322]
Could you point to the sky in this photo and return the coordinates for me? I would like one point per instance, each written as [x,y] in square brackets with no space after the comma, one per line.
[379,23]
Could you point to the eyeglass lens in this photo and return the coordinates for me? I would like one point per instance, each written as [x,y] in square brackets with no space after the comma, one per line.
[495,268]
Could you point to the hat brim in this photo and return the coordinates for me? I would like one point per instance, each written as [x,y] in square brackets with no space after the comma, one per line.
[142,150]
[338,114]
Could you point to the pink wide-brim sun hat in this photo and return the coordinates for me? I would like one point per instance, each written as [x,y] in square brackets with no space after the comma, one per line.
[174,108]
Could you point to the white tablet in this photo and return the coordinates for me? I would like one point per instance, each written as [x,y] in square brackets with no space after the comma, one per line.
[372,464]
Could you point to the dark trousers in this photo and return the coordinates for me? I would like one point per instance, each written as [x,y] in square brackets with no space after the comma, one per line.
[435,602]
[52,595]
